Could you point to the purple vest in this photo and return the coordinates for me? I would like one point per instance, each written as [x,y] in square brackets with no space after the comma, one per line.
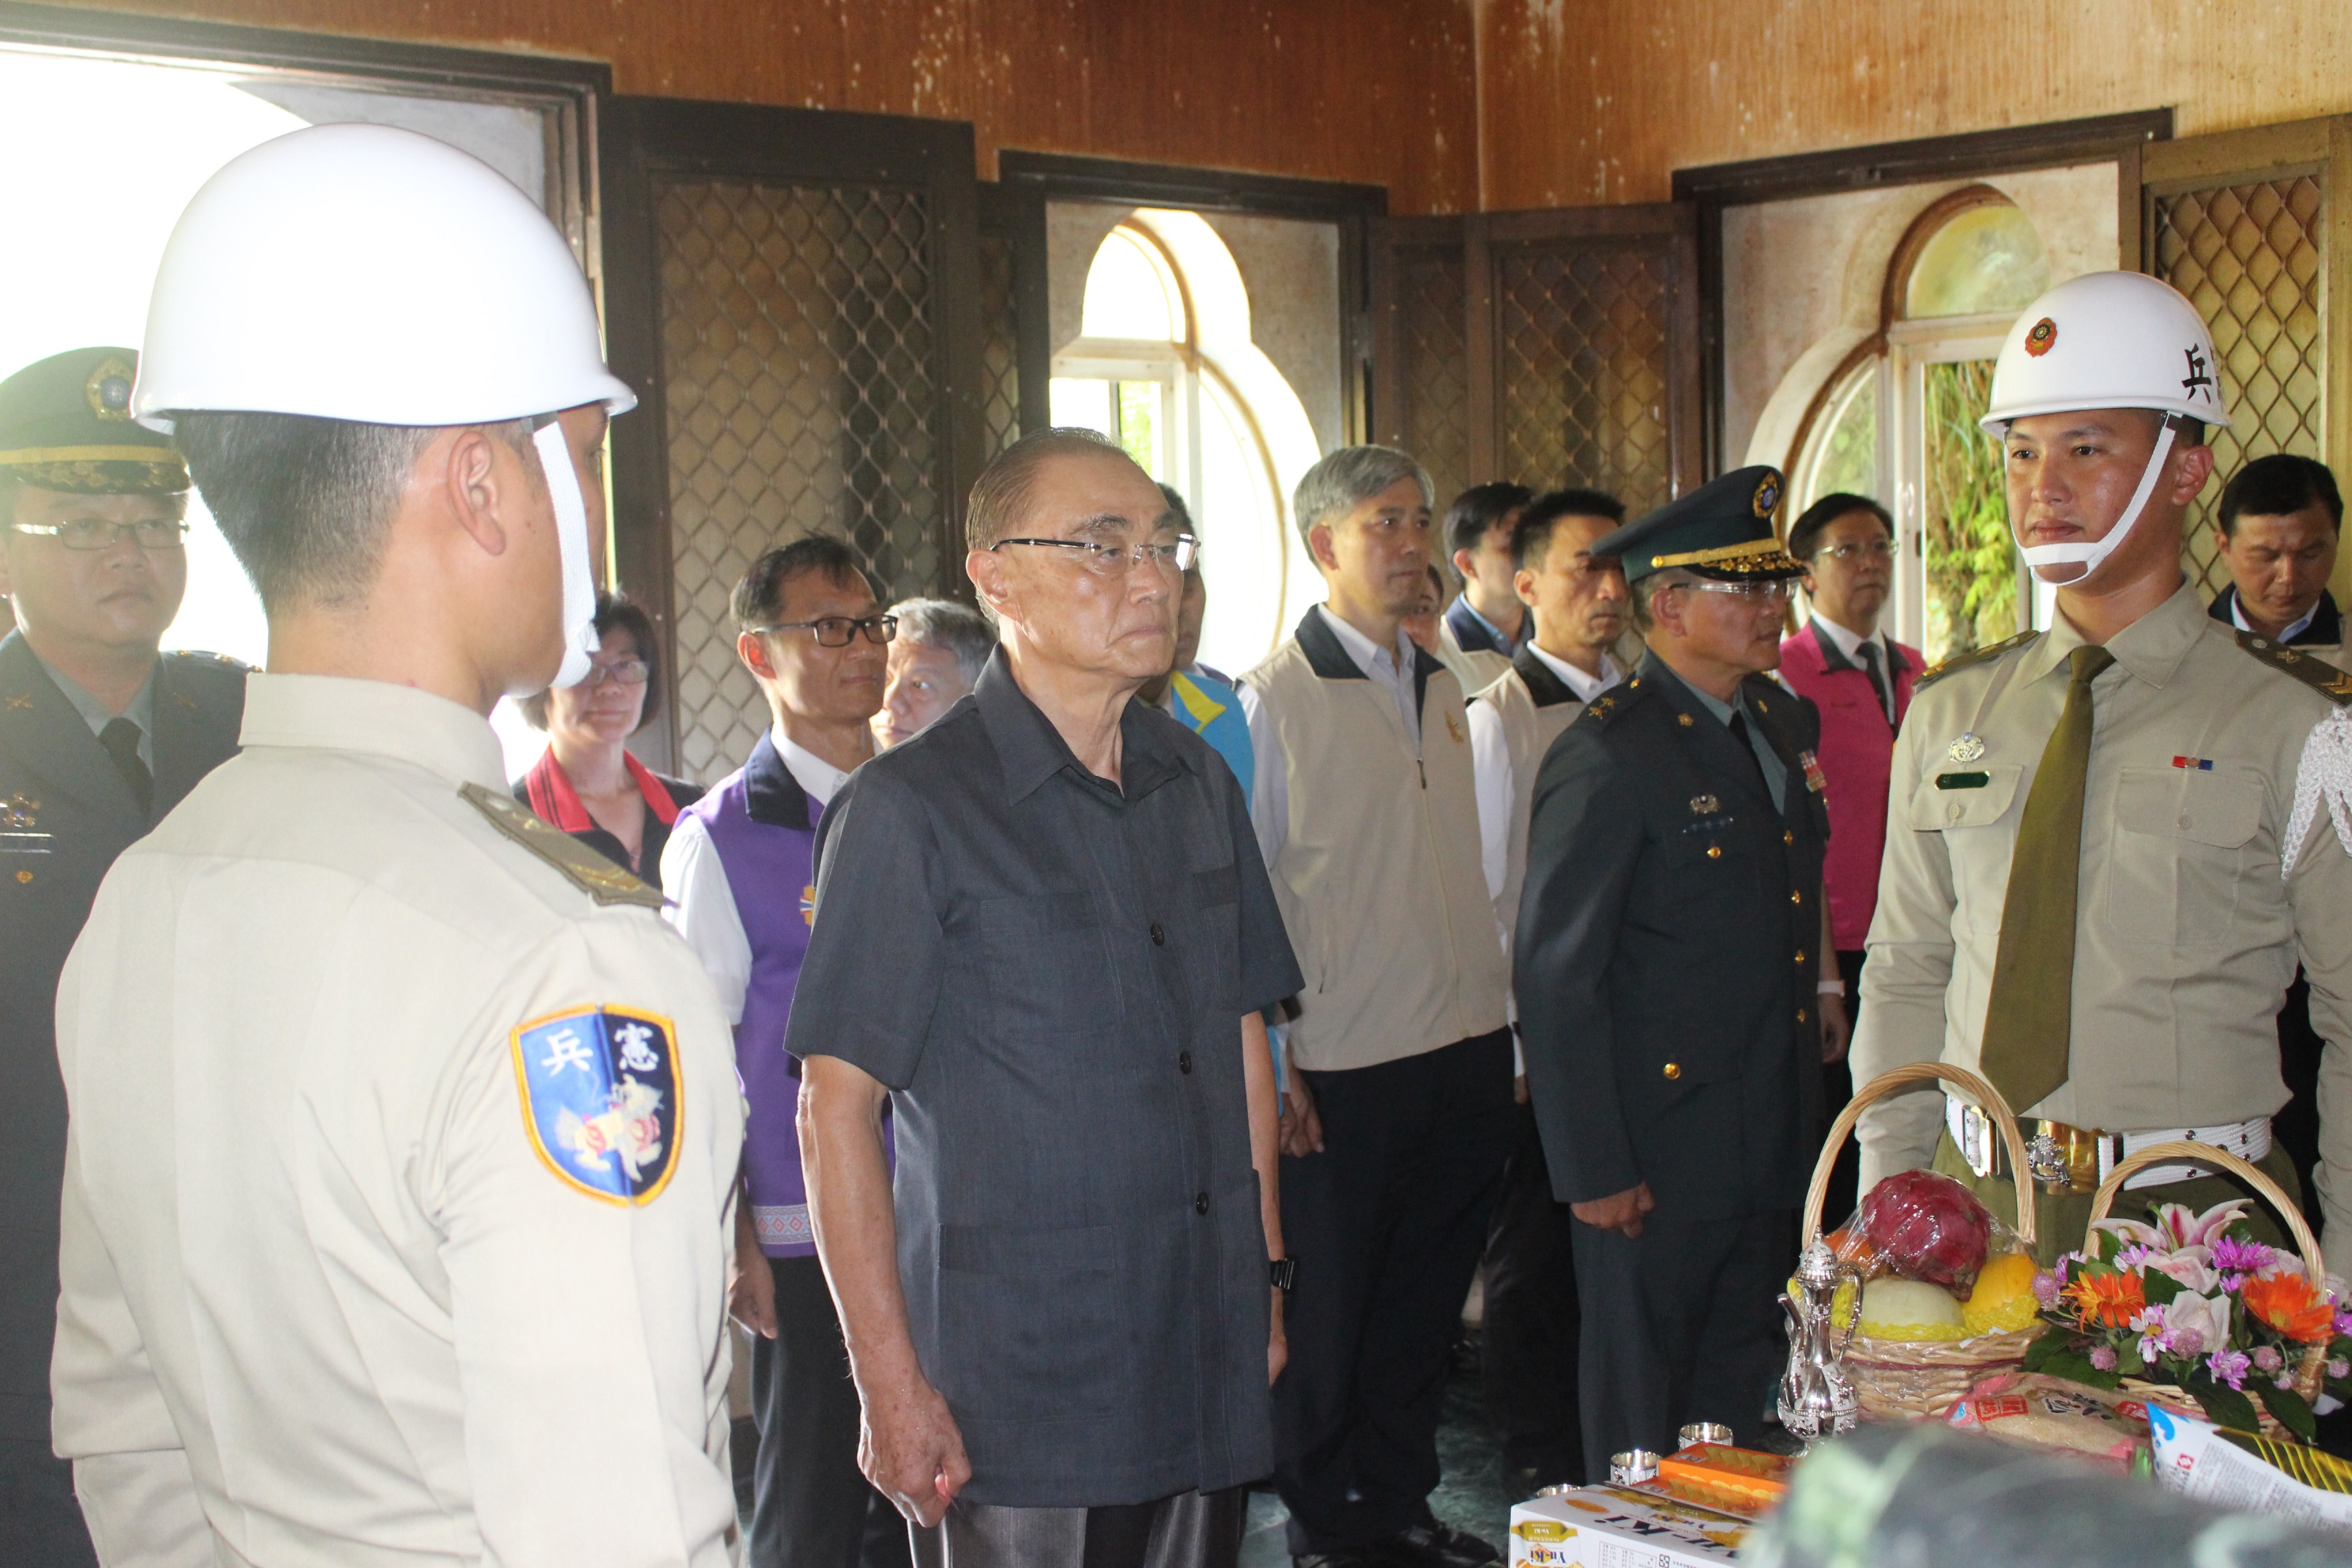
[759,823]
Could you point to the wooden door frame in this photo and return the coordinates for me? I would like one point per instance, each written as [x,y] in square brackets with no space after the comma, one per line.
[1017,214]
[1067,177]
[647,139]
[2099,139]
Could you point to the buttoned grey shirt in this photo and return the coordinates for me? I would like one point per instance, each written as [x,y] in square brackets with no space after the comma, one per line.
[1049,973]
[98,716]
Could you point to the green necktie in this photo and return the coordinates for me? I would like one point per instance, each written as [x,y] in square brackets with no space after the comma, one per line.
[2029,1019]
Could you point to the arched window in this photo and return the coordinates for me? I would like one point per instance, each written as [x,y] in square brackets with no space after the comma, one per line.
[1897,420]
[1165,366]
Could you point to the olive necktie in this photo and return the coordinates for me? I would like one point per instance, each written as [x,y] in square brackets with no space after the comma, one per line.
[121,739]
[2029,1018]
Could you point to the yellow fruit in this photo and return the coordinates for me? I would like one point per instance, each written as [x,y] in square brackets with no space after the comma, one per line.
[2003,1300]
[1895,1309]
[1840,1304]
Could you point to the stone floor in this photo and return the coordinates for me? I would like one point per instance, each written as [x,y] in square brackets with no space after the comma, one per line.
[1474,1494]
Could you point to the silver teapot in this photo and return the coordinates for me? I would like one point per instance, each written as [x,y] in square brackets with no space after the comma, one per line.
[1817,1398]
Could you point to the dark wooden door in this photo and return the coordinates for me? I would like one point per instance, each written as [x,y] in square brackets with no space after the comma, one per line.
[1550,348]
[797,297]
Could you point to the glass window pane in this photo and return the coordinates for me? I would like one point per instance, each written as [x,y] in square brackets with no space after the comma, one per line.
[1126,296]
[1972,562]
[1985,258]
[1142,431]
[1085,404]
[1842,450]
[1239,519]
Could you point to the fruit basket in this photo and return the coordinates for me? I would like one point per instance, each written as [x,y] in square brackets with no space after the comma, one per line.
[1902,1379]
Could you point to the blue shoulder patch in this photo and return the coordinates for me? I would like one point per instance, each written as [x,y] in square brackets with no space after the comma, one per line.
[601,1090]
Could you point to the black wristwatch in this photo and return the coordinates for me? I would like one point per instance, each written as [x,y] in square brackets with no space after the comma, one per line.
[1282,1272]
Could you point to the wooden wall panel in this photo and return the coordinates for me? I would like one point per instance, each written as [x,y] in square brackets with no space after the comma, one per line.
[1600,100]
[1381,91]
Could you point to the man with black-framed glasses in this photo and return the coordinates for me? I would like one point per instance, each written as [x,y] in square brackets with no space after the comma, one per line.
[1043,937]
[738,870]
[100,735]
[1676,992]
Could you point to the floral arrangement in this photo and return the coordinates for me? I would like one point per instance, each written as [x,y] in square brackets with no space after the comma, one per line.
[2192,1300]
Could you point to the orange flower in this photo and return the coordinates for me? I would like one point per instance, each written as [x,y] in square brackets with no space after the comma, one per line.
[2113,1299]
[2289,1303]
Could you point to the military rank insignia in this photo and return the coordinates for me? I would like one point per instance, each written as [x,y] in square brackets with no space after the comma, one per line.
[1815,780]
[599,1095]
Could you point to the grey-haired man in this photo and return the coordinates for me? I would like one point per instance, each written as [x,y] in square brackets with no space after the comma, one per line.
[1400,1061]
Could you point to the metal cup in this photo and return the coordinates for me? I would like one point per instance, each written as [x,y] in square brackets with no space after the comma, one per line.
[1558,1489]
[1631,1466]
[1699,1432]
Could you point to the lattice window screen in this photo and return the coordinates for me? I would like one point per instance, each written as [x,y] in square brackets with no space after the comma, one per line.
[1000,346]
[1436,373]
[2250,258]
[797,346]
[1580,349]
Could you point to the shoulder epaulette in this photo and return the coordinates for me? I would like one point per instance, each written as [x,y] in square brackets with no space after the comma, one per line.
[1974,656]
[203,660]
[580,866]
[2316,673]
[1606,707]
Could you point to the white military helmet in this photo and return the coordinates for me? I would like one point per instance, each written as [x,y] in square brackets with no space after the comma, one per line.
[2106,339]
[370,274]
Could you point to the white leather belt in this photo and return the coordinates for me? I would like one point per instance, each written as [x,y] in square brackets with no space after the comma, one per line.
[2079,1159]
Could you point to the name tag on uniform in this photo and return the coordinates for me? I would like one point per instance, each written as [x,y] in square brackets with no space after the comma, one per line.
[1962,781]
[24,843]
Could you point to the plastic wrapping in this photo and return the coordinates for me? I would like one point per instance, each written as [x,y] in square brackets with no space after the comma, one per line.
[1927,1497]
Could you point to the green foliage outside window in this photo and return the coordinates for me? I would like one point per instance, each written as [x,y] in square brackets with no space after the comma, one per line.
[1972,574]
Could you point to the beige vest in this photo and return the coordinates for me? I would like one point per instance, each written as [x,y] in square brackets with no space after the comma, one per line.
[1528,731]
[1379,879]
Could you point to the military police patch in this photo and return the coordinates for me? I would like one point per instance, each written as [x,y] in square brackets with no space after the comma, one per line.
[601,1098]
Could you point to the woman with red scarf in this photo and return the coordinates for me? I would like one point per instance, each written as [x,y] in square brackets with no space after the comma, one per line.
[588,784]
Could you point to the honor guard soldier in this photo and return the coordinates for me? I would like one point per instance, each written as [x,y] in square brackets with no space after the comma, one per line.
[1676,992]
[100,736]
[2109,840]
[403,1134]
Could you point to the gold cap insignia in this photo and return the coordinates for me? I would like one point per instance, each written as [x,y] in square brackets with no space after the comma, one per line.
[1767,494]
[107,390]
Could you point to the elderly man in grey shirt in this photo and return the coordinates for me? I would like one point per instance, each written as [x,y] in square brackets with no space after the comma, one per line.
[1044,931]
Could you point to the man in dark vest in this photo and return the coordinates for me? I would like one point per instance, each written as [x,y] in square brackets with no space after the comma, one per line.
[739,868]
[100,736]
[1675,992]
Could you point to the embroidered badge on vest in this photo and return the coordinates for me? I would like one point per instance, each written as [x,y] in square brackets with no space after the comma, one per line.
[808,905]
[601,1088]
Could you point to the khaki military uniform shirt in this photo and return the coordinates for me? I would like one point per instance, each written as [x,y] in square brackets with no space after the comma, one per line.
[2185,937]
[340,1283]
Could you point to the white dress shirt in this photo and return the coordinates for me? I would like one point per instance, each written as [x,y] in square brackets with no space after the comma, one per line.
[1391,668]
[1490,765]
[2237,618]
[701,905]
[1849,644]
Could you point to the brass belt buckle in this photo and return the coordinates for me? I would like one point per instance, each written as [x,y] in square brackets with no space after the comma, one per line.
[2060,1158]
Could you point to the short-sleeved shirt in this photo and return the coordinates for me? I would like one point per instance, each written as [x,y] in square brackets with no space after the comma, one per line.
[1049,972]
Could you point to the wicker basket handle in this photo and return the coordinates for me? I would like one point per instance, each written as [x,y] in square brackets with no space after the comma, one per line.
[1987,1097]
[2180,1150]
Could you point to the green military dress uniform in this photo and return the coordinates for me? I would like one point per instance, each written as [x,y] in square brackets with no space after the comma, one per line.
[2186,933]
[1667,964]
[66,811]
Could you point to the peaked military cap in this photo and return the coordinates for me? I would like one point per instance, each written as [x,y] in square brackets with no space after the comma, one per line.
[1721,530]
[65,424]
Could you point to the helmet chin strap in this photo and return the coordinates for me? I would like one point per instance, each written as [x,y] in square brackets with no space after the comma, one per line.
[2091,556]
[571,537]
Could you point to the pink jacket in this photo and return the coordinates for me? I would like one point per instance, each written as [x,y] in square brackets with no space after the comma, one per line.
[1857,757]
